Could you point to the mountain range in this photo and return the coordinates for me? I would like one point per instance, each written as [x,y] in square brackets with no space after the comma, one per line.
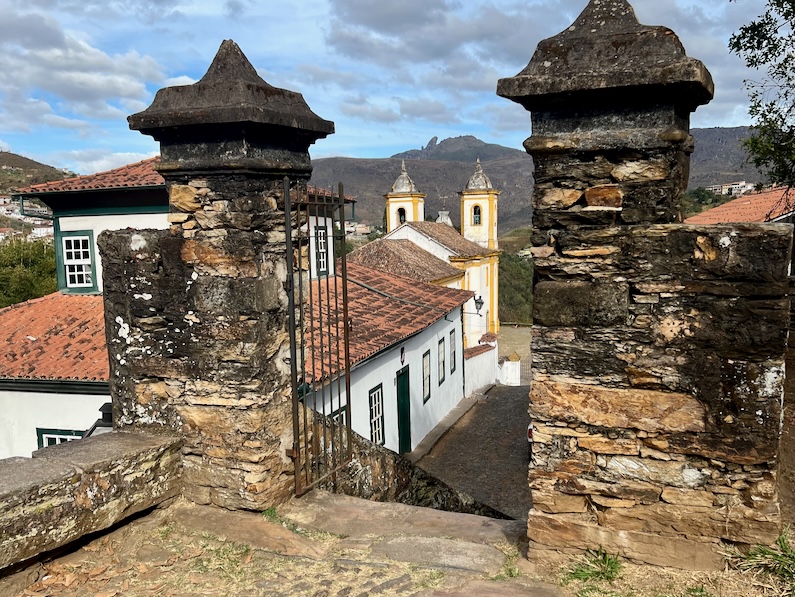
[442,168]
[18,171]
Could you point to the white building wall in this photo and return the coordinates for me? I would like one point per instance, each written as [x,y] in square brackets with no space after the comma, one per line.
[98,224]
[481,371]
[383,368]
[23,412]
[422,241]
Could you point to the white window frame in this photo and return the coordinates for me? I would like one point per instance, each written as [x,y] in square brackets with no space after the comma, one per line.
[79,268]
[440,365]
[452,352]
[426,376]
[377,435]
[321,250]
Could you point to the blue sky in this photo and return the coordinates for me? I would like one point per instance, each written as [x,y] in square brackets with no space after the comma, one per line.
[391,75]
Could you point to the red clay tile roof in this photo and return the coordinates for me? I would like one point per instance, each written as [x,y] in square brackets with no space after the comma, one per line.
[450,238]
[62,337]
[383,309]
[139,174]
[470,353]
[56,337]
[403,258]
[488,337]
[754,207]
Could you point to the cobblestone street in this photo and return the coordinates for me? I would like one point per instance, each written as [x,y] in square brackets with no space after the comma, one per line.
[485,453]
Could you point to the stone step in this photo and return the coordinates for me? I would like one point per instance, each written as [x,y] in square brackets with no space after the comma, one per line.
[355,517]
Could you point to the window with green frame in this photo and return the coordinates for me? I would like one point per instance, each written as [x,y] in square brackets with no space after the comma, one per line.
[76,261]
[52,437]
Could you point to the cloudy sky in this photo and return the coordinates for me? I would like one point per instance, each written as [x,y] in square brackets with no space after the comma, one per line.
[390,73]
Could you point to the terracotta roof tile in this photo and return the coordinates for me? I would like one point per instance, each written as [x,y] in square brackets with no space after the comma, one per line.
[488,337]
[62,337]
[139,174]
[450,238]
[383,309]
[403,258]
[56,337]
[754,207]
[470,353]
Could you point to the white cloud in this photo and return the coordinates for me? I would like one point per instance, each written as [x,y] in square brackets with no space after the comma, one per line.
[4,146]
[89,161]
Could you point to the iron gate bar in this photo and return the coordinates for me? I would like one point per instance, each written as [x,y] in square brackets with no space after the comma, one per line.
[319,336]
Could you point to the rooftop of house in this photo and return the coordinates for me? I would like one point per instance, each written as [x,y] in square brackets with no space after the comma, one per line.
[765,206]
[383,310]
[403,258]
[138,175]
[449,238]
[57,337]
[61,337]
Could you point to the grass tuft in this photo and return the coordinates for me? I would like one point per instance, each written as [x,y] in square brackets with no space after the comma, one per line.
[776,563]
[596,565]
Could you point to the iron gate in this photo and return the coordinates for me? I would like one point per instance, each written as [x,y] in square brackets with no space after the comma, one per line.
[319,326]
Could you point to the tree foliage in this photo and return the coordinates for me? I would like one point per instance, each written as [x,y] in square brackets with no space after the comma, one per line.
[27,270]
[699,199]
[516,289]
[768,44]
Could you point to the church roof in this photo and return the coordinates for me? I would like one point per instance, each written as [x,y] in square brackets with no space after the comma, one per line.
[403,258]
[403,183]
[450,238]
[479,181]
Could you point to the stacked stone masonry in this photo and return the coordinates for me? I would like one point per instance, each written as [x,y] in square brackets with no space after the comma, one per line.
[657,348]
[196,318]
[658,374]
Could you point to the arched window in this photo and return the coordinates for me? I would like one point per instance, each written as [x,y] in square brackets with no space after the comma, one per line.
[476,215]
[402,215]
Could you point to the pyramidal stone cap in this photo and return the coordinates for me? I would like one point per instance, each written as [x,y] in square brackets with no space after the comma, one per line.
[230,92]
[605,54]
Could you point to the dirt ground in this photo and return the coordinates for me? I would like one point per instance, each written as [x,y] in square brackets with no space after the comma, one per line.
[168,554]
[514,338]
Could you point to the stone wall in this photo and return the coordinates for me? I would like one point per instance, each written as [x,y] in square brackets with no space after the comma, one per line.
[205,355]
[657,348]
[197,316]
[82,487]
[377,474]
[657,382]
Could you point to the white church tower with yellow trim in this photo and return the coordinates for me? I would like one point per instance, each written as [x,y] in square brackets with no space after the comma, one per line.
[404,203]
[479,210]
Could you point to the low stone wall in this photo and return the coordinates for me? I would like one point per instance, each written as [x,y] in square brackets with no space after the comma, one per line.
[378,474]
[77,488]
[658,357]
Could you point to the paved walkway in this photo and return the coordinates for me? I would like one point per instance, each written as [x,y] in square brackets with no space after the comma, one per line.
[485,454]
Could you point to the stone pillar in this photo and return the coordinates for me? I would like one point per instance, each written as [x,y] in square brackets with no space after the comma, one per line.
[197,316]
[657,347]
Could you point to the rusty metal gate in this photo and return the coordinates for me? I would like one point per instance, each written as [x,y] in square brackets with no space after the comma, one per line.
[319,344]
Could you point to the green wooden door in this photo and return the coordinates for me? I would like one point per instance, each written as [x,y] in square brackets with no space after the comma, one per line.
[404,411]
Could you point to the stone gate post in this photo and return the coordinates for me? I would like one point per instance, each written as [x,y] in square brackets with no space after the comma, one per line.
[657,347]
[197,316]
